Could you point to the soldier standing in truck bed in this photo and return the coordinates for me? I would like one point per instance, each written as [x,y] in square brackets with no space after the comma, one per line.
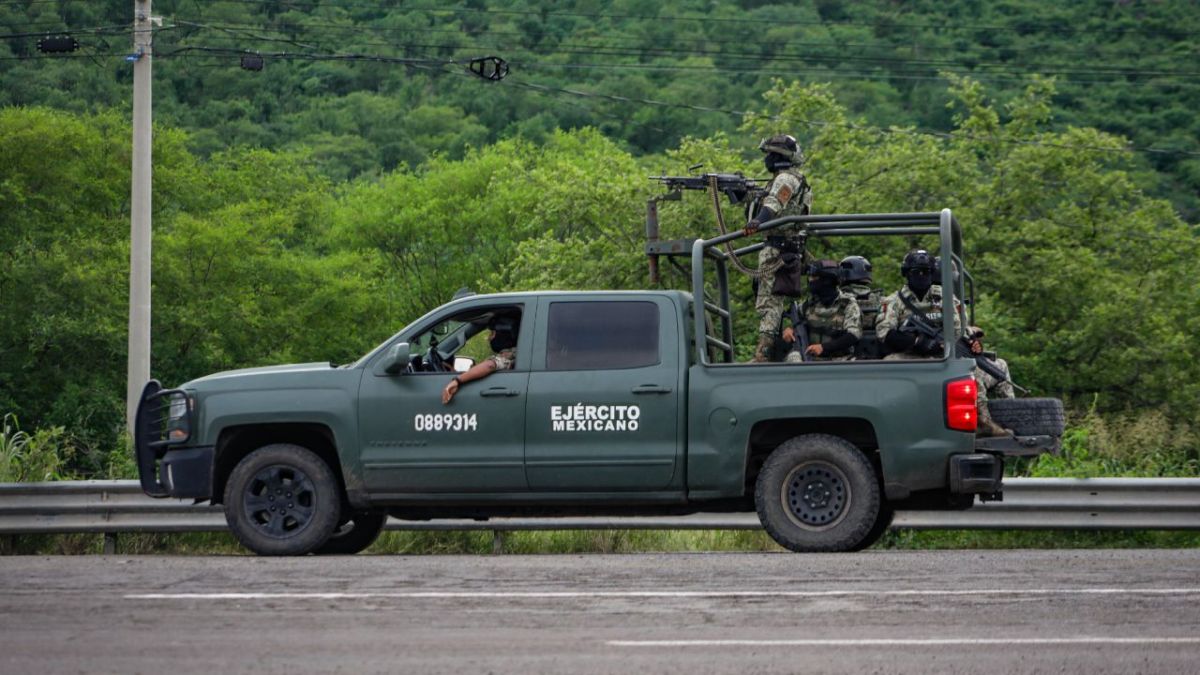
[788,194]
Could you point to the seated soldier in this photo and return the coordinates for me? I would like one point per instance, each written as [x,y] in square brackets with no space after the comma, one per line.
[987,385]
[920,297]
[502,338]
[830,318]
[856,280]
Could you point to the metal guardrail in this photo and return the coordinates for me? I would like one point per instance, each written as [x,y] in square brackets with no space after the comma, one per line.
[112,507]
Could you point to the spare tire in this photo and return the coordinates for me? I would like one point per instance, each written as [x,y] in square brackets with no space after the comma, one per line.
[1029,416]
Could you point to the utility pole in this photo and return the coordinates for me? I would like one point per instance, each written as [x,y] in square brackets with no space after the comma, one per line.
[139,207]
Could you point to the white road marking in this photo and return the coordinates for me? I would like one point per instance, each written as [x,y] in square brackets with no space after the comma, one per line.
[909,642]
[554,595]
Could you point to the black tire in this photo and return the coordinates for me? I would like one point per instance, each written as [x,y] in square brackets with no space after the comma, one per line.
[282,499]
[818,493]
[882,522]
[1029,416]
[356,534]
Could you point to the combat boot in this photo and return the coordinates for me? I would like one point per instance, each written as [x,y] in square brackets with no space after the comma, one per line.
[762,353]
[986,426]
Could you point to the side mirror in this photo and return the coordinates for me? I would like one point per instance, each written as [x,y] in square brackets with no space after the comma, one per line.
[396,359]
[462,364]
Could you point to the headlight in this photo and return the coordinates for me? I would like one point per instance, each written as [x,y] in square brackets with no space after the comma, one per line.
[179,406]
[177,417]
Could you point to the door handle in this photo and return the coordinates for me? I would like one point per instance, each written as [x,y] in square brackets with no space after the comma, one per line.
[499,391]
[651,389]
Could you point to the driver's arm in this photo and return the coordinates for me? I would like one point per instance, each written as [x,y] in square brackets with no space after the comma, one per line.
[478,371]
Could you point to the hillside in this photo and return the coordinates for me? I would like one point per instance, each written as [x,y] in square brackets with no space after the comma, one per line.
[372,85]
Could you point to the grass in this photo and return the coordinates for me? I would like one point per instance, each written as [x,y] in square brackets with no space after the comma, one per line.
[614,541]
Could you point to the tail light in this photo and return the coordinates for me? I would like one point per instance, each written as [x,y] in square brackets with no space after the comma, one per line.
[960,405]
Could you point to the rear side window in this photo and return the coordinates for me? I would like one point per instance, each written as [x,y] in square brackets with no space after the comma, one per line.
[601,335]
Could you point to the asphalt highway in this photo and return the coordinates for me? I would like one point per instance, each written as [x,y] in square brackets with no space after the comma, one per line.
[1094,611]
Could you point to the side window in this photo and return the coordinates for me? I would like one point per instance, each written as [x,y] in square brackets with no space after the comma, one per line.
[601,335]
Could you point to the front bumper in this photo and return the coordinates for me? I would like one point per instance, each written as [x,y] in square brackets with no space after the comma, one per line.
[187,472]
[166,467]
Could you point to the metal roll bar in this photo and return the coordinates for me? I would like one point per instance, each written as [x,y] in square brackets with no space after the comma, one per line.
[940,223]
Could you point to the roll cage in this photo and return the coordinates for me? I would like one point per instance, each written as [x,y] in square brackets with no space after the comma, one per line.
[940,223]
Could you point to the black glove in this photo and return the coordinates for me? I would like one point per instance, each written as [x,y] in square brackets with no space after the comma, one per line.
[899,341]
[764,214]
[840,343]
[927,345]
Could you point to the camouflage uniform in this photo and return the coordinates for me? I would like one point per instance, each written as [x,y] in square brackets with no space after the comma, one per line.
[824,320]
[992,387]
[869,304]
[787,195]
[504,360]
[893,312]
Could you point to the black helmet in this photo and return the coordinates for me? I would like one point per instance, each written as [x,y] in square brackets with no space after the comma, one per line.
[937,270]
[855,268]
[917,259]
[824,268]
[785,149]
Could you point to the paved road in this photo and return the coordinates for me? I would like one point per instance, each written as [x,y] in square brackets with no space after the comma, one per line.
[874,612]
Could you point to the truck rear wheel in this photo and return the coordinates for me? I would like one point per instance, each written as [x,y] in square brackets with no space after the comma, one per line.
[818,493]
[354,535]
[282,499]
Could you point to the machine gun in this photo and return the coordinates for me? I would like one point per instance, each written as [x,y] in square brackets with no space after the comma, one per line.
[962,348]
[738,188]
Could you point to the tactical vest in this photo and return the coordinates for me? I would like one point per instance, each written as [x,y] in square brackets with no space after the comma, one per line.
[823,321]
[869,303]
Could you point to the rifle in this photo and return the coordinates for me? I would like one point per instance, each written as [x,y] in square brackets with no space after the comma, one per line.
[962,349]
[738,188]
[800,331]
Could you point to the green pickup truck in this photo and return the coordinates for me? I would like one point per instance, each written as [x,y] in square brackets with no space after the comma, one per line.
[624,403]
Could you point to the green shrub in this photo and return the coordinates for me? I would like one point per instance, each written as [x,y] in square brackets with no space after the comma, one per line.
[39,456]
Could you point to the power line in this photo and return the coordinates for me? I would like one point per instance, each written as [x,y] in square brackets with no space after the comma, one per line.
[1024,27]
[801,57]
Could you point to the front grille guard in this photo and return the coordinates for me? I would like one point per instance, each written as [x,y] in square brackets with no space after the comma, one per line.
[151,433]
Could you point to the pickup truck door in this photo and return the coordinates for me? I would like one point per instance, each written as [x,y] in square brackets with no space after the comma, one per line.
[411,443]
[604,395]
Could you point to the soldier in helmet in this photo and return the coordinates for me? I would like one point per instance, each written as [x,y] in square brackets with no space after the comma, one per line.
[788,194]
[921,297]
[829,315]
[918,296]
[856,280]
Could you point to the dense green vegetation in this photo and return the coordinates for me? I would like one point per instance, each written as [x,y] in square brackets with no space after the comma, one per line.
[260,259]
[645,75]
[307,212]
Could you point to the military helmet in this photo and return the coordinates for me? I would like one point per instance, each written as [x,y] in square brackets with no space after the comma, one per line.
[855,268]
[917,259]
[824,268]
[937,269]
[784,145]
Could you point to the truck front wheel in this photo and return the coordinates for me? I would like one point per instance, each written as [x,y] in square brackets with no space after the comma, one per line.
[818,493]
[282,499]
[354,535]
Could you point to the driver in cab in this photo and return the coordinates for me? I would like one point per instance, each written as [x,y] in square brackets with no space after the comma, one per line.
[502,338]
